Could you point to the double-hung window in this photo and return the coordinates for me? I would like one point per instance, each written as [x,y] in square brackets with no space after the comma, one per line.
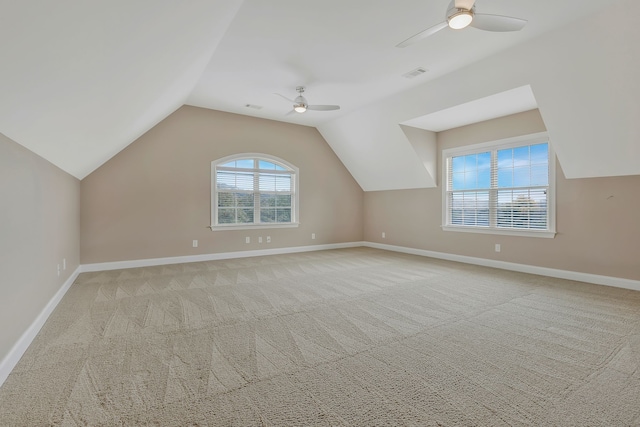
[504,187]
[253,190]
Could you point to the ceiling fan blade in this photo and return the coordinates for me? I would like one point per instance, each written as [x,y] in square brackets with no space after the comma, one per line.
[290,112]
[282,96]
[499,23]
[423,34]
[323,107]
[464,4]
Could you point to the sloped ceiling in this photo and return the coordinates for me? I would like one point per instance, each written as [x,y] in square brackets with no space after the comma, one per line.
[82,80]
[581,77]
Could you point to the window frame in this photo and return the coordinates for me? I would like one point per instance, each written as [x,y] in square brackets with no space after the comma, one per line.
[493,147]
[291,170]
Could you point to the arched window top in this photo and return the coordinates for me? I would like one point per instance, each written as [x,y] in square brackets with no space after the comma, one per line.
[254,161]
[249,164]
[253,190]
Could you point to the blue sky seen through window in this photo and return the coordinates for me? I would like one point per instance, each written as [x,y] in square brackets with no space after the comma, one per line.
[516,167]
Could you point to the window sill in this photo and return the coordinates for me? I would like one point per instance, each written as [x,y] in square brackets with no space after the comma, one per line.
[252,226]
[504,232]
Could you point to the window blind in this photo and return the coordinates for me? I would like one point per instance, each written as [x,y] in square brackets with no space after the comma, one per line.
[254,191]
[503,188]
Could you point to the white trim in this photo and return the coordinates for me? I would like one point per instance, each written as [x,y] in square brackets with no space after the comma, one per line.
[290,170]
[532,138]
[13,357]
[118,265]
[616,282]
[262,225]
[506,232]
[512,142]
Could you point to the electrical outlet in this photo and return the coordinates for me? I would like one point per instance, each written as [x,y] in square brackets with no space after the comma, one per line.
[384,235]
[313,236]
[497,247]
[247,239]
[195,243]
[260,239]
[268,239]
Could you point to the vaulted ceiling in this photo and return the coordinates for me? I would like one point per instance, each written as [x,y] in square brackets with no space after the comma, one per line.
[82,80]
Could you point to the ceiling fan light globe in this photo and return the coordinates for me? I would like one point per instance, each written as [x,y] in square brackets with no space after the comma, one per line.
[461,19]
[300,108]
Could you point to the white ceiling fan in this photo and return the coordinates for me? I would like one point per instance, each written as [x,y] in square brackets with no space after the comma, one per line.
[462,14]
[300,104]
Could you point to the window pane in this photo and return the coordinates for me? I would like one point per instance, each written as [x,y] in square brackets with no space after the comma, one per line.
[470,162]
[226,216]
[244,200]
[470,180]
[521,156]
[540,174]
[505,158]
[245,163]
[225,180]
[283,200]
[226,199]
[484,161]
[267,200]
[521,176]
[283,183]
[457,164]
[484,178]
[471,172]
[470,208]
[540,154]
[457,181]
[456,203]
[244,181]
[267,215]
[505,178]
[267,182]
[234,180]
[231,164]
[522,209]
[263,164]
[245,216]
[482,209]
[283,215]
[280,168]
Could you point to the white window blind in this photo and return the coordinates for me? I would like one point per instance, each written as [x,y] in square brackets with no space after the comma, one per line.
[504,188]
[250,191]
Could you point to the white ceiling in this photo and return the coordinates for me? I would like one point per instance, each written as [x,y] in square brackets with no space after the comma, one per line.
[490,107]
[344,51]
[82,80]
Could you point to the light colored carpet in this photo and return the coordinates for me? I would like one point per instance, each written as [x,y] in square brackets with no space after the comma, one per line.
[355,337]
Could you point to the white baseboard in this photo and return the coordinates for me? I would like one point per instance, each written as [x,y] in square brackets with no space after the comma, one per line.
[13,357]
[523,268]
[118,265]
[617,282]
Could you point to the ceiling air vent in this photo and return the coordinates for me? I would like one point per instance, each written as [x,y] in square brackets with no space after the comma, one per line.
[255,107]
[415,73]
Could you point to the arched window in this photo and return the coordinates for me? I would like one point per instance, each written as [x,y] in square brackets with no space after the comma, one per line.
[253,190]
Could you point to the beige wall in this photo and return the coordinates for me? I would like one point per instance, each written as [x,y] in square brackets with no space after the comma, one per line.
[39,227]
[153,198]
[597,224]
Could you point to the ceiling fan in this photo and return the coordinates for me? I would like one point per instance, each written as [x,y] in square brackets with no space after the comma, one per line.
[300,104]
[462,14]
